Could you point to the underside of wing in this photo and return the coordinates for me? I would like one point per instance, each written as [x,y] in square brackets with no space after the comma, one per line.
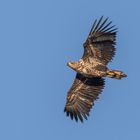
[82,95]
[101,41]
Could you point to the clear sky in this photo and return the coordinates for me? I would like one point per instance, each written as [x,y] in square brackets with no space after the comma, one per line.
[37,38]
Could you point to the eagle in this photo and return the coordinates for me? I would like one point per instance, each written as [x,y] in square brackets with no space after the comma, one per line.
[91,69]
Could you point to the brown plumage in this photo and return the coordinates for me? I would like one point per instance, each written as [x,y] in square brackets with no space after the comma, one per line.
[91,68]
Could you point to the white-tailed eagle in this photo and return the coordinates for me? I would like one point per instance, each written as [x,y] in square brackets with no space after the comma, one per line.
[99,49]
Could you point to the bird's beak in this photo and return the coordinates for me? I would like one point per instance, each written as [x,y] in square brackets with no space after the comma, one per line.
[69,64]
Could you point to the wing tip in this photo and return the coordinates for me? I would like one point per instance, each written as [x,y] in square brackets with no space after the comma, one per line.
[101,25]
[77,116]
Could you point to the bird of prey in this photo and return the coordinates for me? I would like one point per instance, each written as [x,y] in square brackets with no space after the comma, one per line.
[99,49]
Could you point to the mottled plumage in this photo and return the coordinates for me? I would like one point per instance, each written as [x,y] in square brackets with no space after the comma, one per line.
[91,68]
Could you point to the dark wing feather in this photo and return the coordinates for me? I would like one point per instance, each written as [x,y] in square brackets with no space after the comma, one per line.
[101,41]
[82,95]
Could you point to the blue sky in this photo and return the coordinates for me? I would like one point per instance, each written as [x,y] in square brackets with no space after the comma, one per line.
[37,38]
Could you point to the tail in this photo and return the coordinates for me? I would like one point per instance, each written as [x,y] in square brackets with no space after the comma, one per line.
[115,74]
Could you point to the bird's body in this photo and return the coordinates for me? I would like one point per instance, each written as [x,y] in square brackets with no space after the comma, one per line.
[91,69]
[87,67]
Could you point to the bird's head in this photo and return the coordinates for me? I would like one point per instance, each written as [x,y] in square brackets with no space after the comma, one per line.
[72,65]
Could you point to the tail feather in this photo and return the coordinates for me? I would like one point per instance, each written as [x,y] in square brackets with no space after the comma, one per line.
[115,74]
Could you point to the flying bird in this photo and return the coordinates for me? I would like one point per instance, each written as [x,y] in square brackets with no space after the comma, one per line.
[91,69]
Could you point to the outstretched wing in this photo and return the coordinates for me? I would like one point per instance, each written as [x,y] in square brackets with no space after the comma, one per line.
[82,95]
[101,40]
